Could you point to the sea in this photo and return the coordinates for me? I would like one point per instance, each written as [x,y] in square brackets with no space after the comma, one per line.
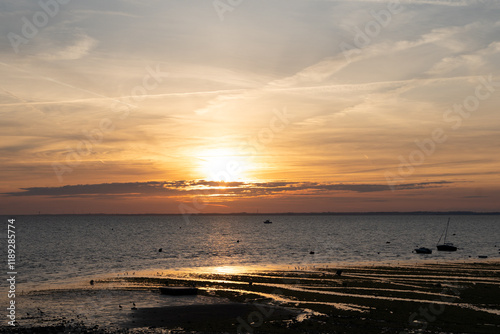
[55,250]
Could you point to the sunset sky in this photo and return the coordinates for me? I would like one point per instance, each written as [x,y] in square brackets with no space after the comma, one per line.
[199,106]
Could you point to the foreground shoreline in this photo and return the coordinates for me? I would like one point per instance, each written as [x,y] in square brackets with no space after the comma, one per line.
[423,259]
[450,297]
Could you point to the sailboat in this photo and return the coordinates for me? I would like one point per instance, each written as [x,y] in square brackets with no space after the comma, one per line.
[445,246]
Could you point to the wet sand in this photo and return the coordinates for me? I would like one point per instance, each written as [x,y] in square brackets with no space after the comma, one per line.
[423,298]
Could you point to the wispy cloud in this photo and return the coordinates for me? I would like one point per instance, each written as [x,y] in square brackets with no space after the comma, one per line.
[465,62]
[79,48]
[319,76]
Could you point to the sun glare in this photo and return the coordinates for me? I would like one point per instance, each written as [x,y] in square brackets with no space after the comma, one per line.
[229,270]
[222,165]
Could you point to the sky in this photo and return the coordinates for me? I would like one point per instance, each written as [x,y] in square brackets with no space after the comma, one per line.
[126,106]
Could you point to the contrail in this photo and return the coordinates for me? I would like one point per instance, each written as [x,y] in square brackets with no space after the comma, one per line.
[67,85]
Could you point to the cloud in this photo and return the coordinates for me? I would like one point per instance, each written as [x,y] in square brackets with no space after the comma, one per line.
[79,48]
[176,188]
[468,61]
[321,75]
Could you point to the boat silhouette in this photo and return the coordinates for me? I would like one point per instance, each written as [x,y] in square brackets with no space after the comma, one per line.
[445,246]
[423,250]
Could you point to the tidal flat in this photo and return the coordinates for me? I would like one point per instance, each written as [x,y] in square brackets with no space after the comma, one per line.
[404,298]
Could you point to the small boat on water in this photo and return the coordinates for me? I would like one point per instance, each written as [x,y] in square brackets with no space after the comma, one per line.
[445,246]
[448,247]
[423,250]
[267,221]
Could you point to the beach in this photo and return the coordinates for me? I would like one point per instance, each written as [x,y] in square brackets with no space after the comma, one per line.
[424,297]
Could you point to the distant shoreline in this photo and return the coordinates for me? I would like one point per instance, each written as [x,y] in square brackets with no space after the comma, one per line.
[389,213]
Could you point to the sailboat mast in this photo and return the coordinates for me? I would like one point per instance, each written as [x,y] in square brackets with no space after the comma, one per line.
[446,233]
[446,246]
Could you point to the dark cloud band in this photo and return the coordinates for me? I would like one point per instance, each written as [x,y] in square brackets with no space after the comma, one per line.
[176,188]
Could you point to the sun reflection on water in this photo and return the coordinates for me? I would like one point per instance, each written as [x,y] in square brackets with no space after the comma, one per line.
[230,270]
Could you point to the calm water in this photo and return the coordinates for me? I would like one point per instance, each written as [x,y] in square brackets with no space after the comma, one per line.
[59,249]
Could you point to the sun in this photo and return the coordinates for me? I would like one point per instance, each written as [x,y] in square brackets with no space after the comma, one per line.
[222,165]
